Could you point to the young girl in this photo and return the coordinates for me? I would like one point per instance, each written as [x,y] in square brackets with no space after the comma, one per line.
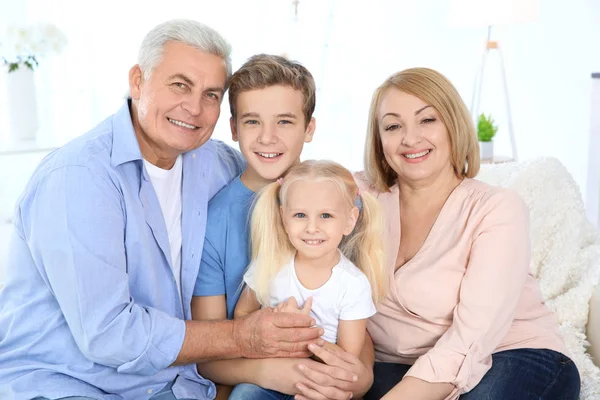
[316,248]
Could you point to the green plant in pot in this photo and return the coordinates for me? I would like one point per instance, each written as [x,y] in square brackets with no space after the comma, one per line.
[486,130]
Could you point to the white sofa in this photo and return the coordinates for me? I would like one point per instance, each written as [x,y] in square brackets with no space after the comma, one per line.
[565,255]
[593,327]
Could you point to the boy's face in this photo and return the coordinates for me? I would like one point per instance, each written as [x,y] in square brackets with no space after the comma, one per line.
[271,130]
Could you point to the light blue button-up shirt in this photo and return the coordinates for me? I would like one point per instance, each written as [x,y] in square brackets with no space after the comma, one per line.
[90,306]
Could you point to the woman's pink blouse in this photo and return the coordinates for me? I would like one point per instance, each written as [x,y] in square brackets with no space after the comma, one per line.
[466,294]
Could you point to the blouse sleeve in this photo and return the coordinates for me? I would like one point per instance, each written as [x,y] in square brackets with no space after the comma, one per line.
[496,272]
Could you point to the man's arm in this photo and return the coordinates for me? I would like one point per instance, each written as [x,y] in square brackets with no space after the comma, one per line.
[261,334]
[74,223]
[75,226]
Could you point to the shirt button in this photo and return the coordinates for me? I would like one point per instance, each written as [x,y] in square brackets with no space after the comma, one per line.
[193,155]
[149,391]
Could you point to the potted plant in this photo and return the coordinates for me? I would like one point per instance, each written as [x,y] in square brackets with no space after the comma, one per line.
[486,130]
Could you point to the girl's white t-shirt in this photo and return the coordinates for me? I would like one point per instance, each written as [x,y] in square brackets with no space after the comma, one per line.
[345,296]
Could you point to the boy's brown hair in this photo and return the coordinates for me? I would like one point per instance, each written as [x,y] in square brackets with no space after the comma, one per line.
[265,70]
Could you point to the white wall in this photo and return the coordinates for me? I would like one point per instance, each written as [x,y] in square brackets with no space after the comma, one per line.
[349,46]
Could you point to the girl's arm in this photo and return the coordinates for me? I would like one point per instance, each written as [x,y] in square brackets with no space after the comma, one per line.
[351,335]
[246,304]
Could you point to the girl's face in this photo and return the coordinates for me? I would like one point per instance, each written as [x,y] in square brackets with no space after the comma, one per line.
[316,217]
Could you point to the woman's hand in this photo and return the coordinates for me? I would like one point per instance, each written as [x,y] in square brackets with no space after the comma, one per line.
[340,377]
[280,374]
[307,379]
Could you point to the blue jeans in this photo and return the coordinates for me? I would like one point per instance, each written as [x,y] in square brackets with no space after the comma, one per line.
[521,374]
[248,391]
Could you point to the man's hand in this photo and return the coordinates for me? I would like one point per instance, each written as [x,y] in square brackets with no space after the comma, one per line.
[265,333]
[342,375]
[291,306]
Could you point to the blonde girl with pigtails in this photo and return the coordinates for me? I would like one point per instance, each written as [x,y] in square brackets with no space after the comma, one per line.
[317,249]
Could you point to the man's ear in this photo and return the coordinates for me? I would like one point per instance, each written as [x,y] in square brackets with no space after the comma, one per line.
[310,130]
[234,135]
[352,218]
[136,78]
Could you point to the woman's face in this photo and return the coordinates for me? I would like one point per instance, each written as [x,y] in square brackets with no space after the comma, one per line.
[415,141]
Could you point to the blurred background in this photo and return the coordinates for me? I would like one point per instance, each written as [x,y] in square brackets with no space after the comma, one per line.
[550,50]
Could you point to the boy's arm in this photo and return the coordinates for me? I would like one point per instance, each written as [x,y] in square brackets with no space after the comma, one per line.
[209,307]
[246,304]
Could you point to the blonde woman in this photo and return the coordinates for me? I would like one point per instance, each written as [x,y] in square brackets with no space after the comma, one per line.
[464,316]
[316,249]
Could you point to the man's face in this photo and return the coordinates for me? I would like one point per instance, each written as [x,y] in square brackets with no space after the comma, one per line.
[271,130]
[177,108]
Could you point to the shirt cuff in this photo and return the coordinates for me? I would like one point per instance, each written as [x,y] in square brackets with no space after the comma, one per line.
[165,342]
[464,371]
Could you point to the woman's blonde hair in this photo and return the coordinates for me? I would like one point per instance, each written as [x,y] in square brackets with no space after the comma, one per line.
[272,249]
[436,90]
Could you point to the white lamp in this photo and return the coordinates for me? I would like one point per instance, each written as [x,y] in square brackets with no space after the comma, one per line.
[492,13]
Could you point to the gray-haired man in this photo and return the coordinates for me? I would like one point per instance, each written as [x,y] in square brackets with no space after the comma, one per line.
[108,237]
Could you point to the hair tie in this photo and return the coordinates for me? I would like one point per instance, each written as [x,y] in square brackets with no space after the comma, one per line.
[280,181]
[358,201]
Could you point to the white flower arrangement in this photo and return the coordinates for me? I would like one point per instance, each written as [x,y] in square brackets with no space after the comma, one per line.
[21,46]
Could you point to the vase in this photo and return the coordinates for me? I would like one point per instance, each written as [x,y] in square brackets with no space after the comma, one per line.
[22,104]
[486,150]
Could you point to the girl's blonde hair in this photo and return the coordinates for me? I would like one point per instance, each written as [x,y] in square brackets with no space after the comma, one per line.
[436,90]
[272,249]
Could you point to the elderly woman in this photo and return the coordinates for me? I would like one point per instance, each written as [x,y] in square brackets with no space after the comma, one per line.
[464,317]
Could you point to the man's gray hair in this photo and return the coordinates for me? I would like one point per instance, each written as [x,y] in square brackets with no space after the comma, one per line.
[186,31]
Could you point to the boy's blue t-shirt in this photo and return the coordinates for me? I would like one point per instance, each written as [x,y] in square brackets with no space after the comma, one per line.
[226,254]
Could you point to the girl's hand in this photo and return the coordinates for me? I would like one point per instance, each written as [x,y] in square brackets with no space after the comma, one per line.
[291,306]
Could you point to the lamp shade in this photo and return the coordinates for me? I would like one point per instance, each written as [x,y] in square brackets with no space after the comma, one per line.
[493,12]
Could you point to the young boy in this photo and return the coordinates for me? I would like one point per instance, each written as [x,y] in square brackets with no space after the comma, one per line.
[272,101]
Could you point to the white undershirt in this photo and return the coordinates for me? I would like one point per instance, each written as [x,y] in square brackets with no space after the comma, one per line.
[167,185]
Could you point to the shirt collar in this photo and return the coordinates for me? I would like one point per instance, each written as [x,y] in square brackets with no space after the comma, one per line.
[125,146]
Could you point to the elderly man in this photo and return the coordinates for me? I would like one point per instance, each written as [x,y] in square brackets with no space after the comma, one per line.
[107,242]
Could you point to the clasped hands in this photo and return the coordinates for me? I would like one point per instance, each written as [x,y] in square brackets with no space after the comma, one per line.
[288,333]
